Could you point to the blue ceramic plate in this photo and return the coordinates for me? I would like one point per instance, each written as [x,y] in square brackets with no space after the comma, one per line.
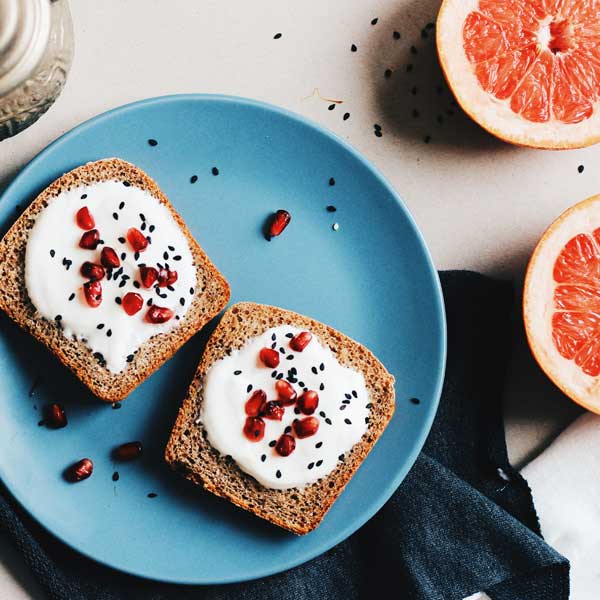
[372,279]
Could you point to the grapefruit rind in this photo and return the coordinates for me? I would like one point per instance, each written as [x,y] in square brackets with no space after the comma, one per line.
[492,114]
[539,307]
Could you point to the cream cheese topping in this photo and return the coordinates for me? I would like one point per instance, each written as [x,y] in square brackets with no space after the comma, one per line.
[53,259]
[343,409]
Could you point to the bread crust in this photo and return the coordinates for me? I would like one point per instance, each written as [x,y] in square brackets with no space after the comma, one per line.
[297,510]
[212,290]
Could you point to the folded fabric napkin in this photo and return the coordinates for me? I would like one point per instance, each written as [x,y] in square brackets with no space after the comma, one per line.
[462,522]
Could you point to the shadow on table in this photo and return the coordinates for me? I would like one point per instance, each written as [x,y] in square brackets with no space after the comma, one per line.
[410,88]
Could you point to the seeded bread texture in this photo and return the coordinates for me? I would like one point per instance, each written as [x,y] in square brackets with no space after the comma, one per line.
[212,290]
[298,510]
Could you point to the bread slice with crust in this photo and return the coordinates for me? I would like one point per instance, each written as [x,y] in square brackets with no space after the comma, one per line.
[211,293]
[295,509]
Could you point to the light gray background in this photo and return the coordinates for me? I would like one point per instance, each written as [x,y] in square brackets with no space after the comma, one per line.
[481,204]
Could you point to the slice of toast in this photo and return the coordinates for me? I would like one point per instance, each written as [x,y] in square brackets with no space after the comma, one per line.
[299,510]
[210,296]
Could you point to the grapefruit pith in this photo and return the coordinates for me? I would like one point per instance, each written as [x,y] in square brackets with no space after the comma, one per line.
[528,71]
[561,303]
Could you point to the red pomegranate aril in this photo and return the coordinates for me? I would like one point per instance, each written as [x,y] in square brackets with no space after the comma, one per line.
[92,291]
[300,341]
[286,444]
[285,392]
[109,258]
[56,416]
[256,403]
[84,218]
[148,275]
[273,410]
[90,240]
[80,470]
[137,240]
[269,357]
[306,427]
[91,271]
[159,314]
[279,222]
[128,451]
[254,429]
[166,277]
[132,303]
[308,402]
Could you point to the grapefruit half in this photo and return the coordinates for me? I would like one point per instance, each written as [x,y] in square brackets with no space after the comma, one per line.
[561,303]
[528,71]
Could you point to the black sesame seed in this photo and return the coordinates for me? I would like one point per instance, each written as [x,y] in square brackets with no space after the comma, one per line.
[289,357]
[415,400]
[301,384]
[123,283]
[214,170]
[328,421]
[321,367]
[367,420]
[100,326]
[109,333]
[331,208]
[331,181]
[318,444]
[346,401]
[153,142]
[151,228]
[142,216]
[115,216]
[287,429]
[143,227]
[341,457]
[377,126]
[52,253]
[281,349]
[374,21]
[353,48]
[296,411]
[311,465]
[580,169]
[136,284]
[152,495]
[126,184]
[123,255]
[121,205]
[277,36]
[348,421]
[322,414]
[193,178]
[273,345]
[122,240]
[115,476]
[170,288]
[58,318]
[387,73]
[343,407]
[249,388]
[136,256]
[71,296]
[116,405]
[348,396]
[272,443]
[263,458]
[238,372]
[130,358]
[322,387]
[166,255]
[314,370]
[319,463]
[331,107]
[369,405]
[84,196]
[182,301]
[378,133]
[274,374]
[396,35]
[278,474]
[149,302]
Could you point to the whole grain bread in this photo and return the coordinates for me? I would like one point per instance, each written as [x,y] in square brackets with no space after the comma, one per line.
[298,510]
[211,292]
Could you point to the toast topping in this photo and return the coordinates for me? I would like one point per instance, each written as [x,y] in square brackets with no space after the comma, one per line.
[130,242]
[256,413]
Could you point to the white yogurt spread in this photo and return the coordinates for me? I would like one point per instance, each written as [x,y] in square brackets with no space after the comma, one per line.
[53,259]
[342,412]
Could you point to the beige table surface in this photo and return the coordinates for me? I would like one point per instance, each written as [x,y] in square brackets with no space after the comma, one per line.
[480,204]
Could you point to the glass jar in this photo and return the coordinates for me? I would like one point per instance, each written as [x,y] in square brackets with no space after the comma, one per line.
[36,50]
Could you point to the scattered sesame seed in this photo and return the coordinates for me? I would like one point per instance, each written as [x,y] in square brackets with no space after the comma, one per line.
[152,142]
[378,133]
[151,228]
[115,476]
[52,253]
[396,35]
[348,421]
[343,407]
[115,216]
[109,333]
[318,444]
[84,196]
[182,301]
[71,296]
[136,285]
[272,443]
[238,372]
[277,36]
[328,421]
[354,393]
[249,388]
[279,376]
[130,358]
[331,107]
[149,302]
[136,256]
[58,318]
[415,401]
[263,458]
[126,184]
[152,495]
[353,48]
[322,387]
[331,181]
[116,405]
[278,474]
[143,227]
[311,465]
[369,405]
[214,170]
[100,326]
[193,178]
[580,168]
[346,116]
[341,457]
[331,208]
[289,335]
[166,255]
[319,463]
[374,21]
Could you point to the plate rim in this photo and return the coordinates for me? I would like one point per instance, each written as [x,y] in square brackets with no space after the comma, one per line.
[432,406]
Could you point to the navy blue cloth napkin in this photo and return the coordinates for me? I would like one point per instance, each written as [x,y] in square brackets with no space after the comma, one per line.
[463,520]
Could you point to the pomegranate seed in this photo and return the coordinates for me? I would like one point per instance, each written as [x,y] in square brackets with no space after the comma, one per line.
[85,219]
[128,451]
[269,357]
[92,291]
[256,403]
[137,239]
[91,271]
[109,258]
[286,393]
[55,416]
[148,275]
[279,222]
[254,429]
[273,411]
[286,444]
[80,470]
[300,341]
[308,402]
[306,427]
[90,240]
[132,303]
[166,277]
[158,314]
